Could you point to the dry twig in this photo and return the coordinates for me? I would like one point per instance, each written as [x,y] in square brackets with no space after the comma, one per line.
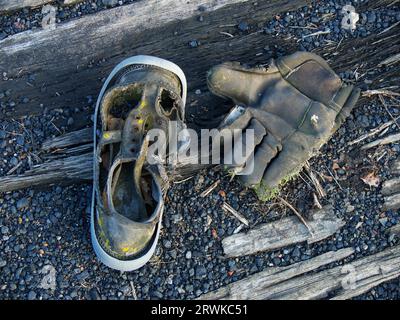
[380,142]
[385,92]
[297,214]
[382,100]
[334,178]
[12,170]
[374,131]
[316,201]
[227,34]
[315,181]
[134,295]
[206,192]
[236,214]
[318,33]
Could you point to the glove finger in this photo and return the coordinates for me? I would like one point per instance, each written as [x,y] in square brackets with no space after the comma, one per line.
[341,97]
[241,147]
[235,120]
[288,162]
[347,107]
[264,153]
[231,80]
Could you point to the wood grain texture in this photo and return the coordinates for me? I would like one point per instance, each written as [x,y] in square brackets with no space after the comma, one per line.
[391,186]
[62,153]
[69,2]
[395,167]
[70,62]
[392,202]
[380,142]
[394,230]
[281,233]
[9,5]
[62,171]
[294,283]
[73,138]
[348,281]
[256,286]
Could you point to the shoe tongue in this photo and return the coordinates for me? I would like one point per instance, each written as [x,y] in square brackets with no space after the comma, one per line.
[133,149]
[139,120]
[134,140]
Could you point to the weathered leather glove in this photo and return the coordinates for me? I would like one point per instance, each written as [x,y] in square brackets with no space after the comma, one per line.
[294,106]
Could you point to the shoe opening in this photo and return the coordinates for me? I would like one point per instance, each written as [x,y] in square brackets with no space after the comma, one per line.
[169,106]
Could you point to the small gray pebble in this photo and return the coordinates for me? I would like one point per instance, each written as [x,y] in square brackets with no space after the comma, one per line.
[31,295]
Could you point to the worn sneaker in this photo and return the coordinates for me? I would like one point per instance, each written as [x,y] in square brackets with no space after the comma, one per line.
[140,94]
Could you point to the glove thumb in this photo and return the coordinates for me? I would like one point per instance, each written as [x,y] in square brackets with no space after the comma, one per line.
[230,80]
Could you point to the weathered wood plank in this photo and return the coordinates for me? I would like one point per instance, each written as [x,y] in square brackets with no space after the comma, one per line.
[364,274]
[284,232]
[395,167]
[254,286]
[63,75]
[392,202]
[109,36]
[69,2]
[69,139]
[67,170]
[350,280]
[394,230]
[391,186]
[341,282]
[9,5]
[64,152]
[366,285]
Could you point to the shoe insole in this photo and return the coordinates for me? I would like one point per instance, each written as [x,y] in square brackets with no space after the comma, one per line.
[127,199]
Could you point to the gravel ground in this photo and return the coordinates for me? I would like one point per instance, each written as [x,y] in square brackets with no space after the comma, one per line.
[27,19]
[45,250]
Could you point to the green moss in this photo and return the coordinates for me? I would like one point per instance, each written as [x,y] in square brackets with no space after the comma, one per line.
[266,193]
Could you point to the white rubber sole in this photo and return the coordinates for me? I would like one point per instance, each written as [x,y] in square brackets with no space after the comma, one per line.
[102,255]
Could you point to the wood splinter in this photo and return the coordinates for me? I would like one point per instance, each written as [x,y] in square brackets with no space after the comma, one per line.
[236,214]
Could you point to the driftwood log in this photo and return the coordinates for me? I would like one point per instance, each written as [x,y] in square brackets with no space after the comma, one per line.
[392,202]
[70,62]
[391,188]
[67,159]
[68,67]
[71,139]
[10,5]
[255,286]
[283,232]
[341,282]
[65,156]
[395,167]
[394,231]
[63,171]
